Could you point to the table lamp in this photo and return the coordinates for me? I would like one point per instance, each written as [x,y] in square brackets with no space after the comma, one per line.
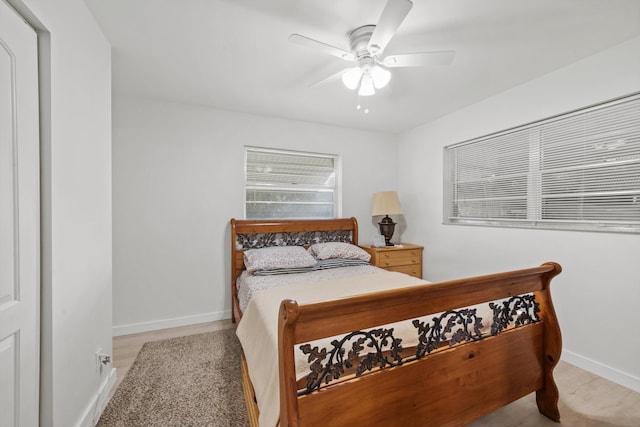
[386,203]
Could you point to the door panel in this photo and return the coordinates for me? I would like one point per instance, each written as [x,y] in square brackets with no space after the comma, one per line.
[7,181]
[8,389]
[19,222]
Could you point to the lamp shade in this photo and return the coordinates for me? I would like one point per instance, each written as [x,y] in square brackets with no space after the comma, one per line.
[351,78]
[366,85]
[380,76]
[386,203]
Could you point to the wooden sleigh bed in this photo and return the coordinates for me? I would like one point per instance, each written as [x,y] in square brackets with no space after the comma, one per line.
[460,367]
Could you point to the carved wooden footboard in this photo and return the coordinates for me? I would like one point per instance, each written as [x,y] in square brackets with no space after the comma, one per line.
[455,374]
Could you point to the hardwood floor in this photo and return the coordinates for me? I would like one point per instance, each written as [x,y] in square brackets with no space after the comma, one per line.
[586,400]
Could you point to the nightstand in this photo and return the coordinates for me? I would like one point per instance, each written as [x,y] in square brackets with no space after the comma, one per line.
[406,259]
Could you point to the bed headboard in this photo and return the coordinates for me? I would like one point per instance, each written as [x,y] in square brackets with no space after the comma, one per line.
[260,233]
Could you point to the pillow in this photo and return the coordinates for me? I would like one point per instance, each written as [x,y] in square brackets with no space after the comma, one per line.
[283,271]
[277,257]
[338,250]
[324,264]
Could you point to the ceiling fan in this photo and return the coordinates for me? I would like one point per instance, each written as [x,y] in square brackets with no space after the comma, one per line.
[367,51]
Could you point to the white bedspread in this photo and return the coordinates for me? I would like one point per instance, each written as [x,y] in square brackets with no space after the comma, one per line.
[258,329]
[249,284]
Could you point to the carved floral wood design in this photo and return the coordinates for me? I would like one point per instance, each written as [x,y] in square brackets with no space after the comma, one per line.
[519,310]
[379,348]
[379,340]
[302,238]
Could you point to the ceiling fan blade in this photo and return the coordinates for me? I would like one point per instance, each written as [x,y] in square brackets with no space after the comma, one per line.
[332,78]
[424,59]
[392,16]
[326,48]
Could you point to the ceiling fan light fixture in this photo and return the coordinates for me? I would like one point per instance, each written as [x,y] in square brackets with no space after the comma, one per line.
[367,46]
[352,77]
[366,85]
[380,76]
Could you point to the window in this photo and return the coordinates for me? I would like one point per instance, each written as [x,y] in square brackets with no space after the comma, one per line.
[290,184]
[579,171]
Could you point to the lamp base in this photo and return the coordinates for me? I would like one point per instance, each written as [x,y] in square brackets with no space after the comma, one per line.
[387,227]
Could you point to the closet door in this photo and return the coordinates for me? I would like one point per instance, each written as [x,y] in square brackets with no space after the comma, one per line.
[19,222]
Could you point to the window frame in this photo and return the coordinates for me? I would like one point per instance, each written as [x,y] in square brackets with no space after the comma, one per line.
[337,187]
[537,198]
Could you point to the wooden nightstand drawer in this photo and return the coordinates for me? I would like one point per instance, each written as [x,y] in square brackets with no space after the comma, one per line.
[404,258]
[399,253]
[391,260]
[411,270]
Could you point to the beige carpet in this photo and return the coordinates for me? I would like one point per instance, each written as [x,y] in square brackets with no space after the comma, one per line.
[187,381]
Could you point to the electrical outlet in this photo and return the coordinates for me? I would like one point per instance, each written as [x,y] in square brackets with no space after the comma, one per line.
[102,359]
[98,360]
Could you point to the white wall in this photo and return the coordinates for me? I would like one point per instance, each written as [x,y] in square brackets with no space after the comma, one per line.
[178,179]
[75,70]
[597,294]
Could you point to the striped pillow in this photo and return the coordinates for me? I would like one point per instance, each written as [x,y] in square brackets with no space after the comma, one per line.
[322,264]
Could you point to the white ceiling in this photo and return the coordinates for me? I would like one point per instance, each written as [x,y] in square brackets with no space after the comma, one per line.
[234,54]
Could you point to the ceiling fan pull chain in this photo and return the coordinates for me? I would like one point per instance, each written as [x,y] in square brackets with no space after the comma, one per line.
[363,104]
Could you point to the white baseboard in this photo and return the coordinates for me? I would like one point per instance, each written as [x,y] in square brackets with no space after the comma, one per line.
[154,325]
[604,371]
[99,401]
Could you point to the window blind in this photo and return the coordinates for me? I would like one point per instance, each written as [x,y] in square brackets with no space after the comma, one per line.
[580,170]
[286,184]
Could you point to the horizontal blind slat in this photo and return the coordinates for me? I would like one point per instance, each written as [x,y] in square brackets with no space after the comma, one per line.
[583,167]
